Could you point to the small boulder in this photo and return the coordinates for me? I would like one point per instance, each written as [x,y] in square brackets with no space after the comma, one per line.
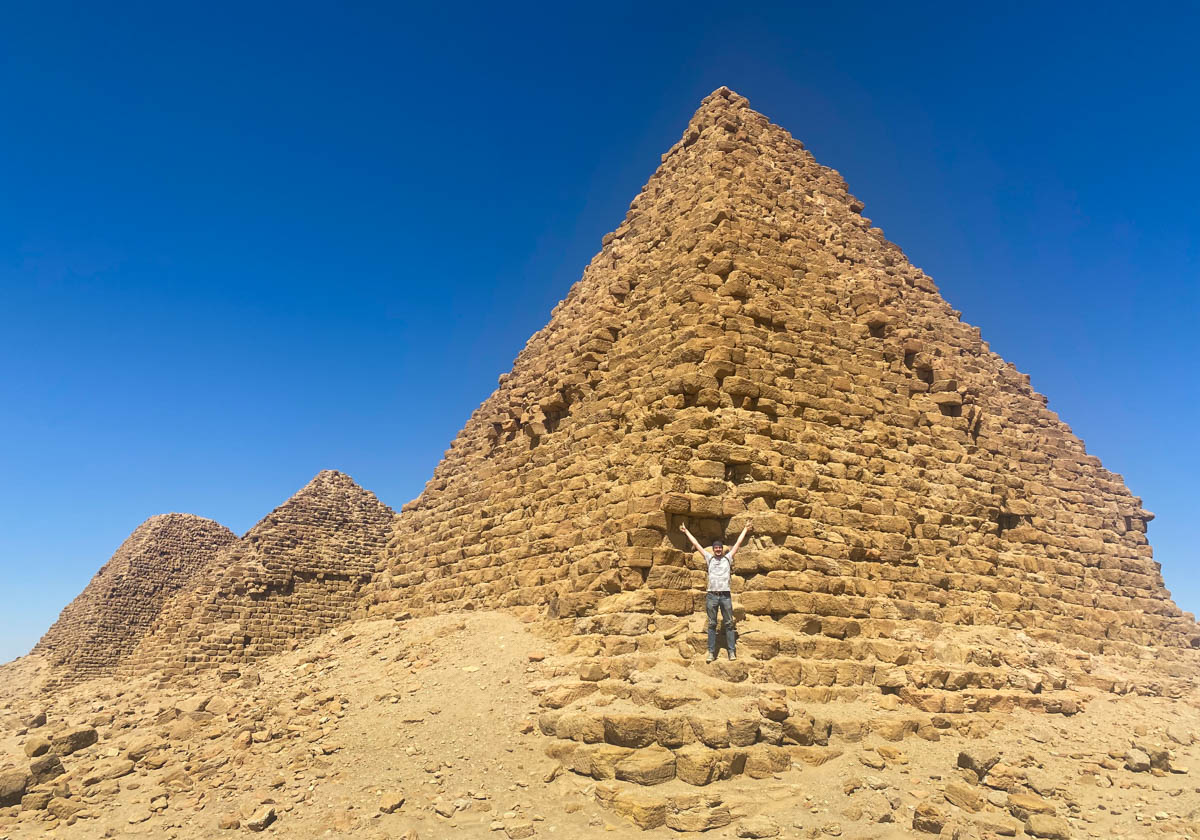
[1137,761]
[261,819]
[518,830]
[37,800]
[64,809]
[1180,735]
[978,760]
[964,796]
[1047,827]
[1024,805]
[928,818]
[760,826]
[74,739]
[591,672]
[773,707]
[141,746]
[1160,759]
[37,745]
[13,784]
[1042,783]
[46,767]
[998,825]
[1004,777]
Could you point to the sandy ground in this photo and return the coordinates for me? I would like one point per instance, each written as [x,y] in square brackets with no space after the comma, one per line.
[440,713]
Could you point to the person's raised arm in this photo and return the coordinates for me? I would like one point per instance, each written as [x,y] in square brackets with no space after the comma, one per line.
[738,544]
[691,539]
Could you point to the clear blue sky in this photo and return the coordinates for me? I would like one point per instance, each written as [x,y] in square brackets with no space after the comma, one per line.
[240,243]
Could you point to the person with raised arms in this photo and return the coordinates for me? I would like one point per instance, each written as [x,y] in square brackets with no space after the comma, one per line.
[720,566]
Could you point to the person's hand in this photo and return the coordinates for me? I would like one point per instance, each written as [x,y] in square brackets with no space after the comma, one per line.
[683,527]
[749,527]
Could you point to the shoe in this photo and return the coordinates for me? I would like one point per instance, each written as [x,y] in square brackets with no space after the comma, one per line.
[710,658]
[732,657]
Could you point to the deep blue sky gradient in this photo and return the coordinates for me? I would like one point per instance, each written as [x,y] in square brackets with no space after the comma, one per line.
[241,243]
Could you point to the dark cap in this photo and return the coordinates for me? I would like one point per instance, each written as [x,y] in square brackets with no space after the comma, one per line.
[718,543]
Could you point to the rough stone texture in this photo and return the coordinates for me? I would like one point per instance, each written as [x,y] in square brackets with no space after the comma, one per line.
[74,739]
[1050,828]
[746,347]
[108,618]
[13,784]
[296,573]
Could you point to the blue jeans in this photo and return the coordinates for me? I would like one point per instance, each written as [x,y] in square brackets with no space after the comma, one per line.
[724,600]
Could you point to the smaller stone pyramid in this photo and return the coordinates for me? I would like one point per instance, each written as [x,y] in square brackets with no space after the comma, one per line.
[295,574]
[108,618]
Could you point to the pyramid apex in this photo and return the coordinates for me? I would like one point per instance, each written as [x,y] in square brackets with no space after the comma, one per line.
[332,483]
[723,97]
[166,519]
[334,477]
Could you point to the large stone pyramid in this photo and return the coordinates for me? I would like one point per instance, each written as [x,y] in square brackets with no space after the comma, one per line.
[746,347]
[294,574]
[933,548]
[107,619]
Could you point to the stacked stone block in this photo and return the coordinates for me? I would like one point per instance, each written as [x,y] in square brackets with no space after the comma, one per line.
[105,622]
[295,574]
[747,347]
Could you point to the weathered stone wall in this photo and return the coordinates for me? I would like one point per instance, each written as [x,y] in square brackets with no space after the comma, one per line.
[108,618]
[296,573]
[747,347]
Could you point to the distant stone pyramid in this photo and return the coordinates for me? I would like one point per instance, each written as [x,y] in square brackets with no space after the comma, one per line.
[105,622]
[747,347]
[294,574]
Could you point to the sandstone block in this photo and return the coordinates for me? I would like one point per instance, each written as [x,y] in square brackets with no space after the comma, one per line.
[697,765]
[643,809]
[978,761]
[760,826]
[46,767]
[649,766]
[73,740]
[37,745]
[13,784]
[1137,761]
[64,809]
[37,800]
[964,796]
[1048,827]
[262,818]
[1023,805]
[743,731]
[928,818]
[630,730]
[696,813]
[773,707]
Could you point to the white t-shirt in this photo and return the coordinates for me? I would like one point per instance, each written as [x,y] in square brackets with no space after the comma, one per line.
[718,570]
